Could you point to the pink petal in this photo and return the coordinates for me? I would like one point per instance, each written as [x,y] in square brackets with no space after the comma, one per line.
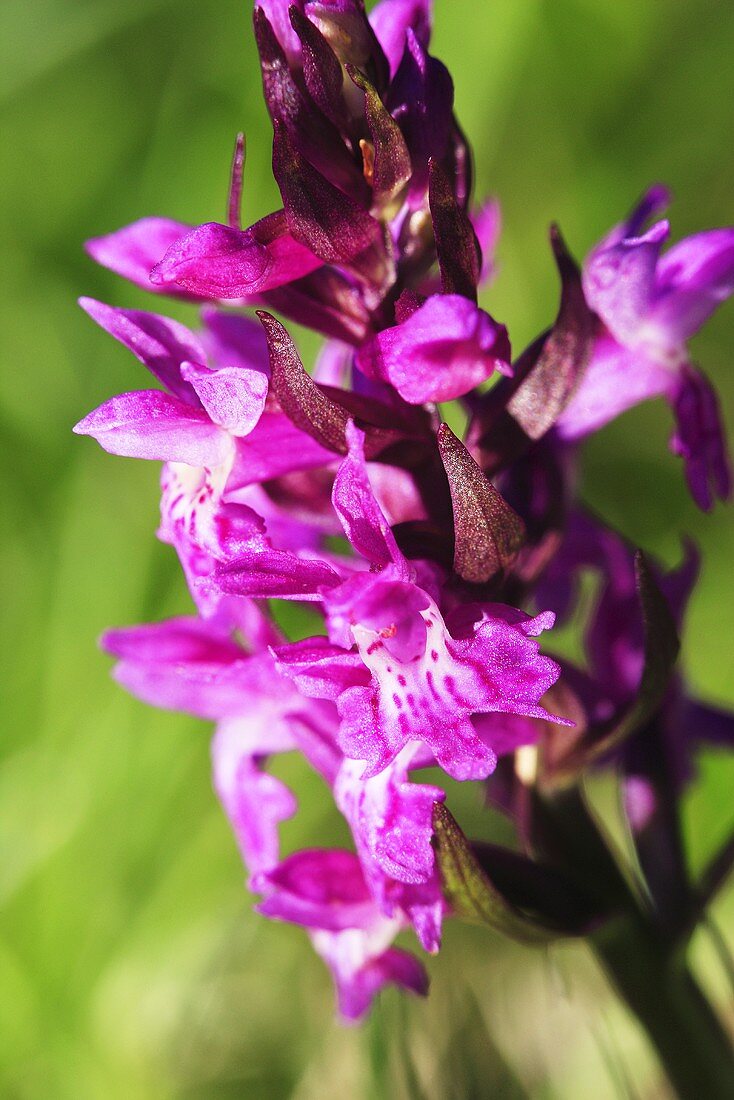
[361,516]
[234,397]
[161,344]
[216,261]
[443,350]
[134,250]
[151,424]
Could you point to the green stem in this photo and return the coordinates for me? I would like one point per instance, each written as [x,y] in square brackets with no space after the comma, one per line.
[649,972]
[695,1051]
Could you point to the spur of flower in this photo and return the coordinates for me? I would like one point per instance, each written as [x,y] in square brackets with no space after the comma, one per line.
[434,563]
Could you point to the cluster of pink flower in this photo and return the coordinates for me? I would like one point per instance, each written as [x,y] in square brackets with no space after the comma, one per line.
[344,487]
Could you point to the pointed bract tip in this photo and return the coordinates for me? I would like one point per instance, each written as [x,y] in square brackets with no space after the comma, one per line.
[559,246]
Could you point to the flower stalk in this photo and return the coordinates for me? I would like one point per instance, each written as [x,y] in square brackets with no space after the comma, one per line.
[657,985]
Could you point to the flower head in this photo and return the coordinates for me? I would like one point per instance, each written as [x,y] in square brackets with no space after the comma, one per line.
[427,561]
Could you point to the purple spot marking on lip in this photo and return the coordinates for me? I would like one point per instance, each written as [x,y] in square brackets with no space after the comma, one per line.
[431,684]
[450,685]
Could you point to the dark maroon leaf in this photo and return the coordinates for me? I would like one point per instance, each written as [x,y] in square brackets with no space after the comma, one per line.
[323,411]
[539,890]
[391,169]
[399,419]
[489,533]
[326,301]
[235,186]
[335,227]
[322,70]
[425,540]
[300,398]
[315,136]
[457,247]
[547,387]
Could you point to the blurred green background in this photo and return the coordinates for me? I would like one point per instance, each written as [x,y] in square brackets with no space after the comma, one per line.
[131,964]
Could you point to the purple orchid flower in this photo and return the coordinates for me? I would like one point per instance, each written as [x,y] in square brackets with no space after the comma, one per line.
[325,892]
[445,348]
[411,679]
[206,407]
[651,304]
[343,490]
[615,649]
[196,666]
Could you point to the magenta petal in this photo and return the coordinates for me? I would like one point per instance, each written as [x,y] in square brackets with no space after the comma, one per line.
[443,350]
[392,818]
[278,17]
[361,516]
[653,202]
[619,281]
[275,447]
[391,20]
[373,732]
[320,669]
[232,340]
[175,640]
[161,344]
[356,990]
[317,888]
[209,685]
[151,424]
[254,801]
[216,261]
[700,439]
[693,278]
[134,250]
[507,732]
[324,890]
[266,573]
[234,397]
[487,222]
[616,379]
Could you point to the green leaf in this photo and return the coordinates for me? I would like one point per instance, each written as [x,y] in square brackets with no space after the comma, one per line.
[470,891]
